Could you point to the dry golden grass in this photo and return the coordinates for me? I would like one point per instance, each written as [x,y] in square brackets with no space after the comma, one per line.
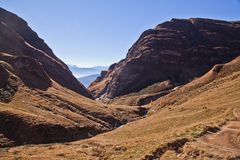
[209,104]
[58,107]
[133,99]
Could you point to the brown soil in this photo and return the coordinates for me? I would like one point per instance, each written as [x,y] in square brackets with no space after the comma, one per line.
[172,130]
[222,144]
[228,137]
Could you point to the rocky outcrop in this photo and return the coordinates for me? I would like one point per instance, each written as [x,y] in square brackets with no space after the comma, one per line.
[40,99]
[27,69]
[8,84]
[21,28]
[178,50]
[34,109]
[19,40]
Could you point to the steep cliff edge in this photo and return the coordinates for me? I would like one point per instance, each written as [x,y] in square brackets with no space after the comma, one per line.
[40,100]
[18,39]
[178,50]
[197,121]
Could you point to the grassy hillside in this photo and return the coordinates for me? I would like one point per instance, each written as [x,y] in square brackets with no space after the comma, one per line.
[144,96]
[56,114]
[171,130]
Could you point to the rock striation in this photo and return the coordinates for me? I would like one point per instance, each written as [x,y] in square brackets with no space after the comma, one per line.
[19,40]
[178,50]
[40,100]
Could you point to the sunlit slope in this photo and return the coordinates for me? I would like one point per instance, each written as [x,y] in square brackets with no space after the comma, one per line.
[57,115]
[201,106]
[36,109]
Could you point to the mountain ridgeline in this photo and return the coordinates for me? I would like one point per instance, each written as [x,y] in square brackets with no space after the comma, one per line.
[40,99]
[18,39]
[179,83]
[177,51]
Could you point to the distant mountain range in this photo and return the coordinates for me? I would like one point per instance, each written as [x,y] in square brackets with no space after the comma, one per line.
[86,74]
[86,81]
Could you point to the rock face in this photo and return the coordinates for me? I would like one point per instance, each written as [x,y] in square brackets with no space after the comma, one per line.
[178,50]
[8,85]
[27,69]
[34,109]
[19,40]
[40,100]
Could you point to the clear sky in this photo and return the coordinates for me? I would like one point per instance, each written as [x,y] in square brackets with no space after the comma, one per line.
[99,32]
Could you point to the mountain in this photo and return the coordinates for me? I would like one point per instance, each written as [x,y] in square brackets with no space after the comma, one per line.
[86,71]
[101,68]
[177,51]
[18,39]
[199,120]
[86,75]
[87,80]
[181,78]
[40,100]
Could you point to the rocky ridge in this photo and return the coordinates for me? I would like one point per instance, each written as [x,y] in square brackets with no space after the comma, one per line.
[18,39]
[178,50]
[40,100]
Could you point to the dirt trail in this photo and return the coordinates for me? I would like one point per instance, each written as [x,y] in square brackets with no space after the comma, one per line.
[228,138]
[236,113]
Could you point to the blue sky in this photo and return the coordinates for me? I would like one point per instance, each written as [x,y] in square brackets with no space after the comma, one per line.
[99,32]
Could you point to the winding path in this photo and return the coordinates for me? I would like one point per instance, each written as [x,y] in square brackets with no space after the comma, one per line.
[228,138]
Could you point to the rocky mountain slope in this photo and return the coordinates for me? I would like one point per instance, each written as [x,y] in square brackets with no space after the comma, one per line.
[40,100]
[177,51]
[18,39]
[199,120]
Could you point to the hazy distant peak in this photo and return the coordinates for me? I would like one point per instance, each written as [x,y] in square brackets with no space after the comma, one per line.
[86,71]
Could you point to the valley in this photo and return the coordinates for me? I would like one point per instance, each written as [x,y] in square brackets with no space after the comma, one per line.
[179,123]
[176,95]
